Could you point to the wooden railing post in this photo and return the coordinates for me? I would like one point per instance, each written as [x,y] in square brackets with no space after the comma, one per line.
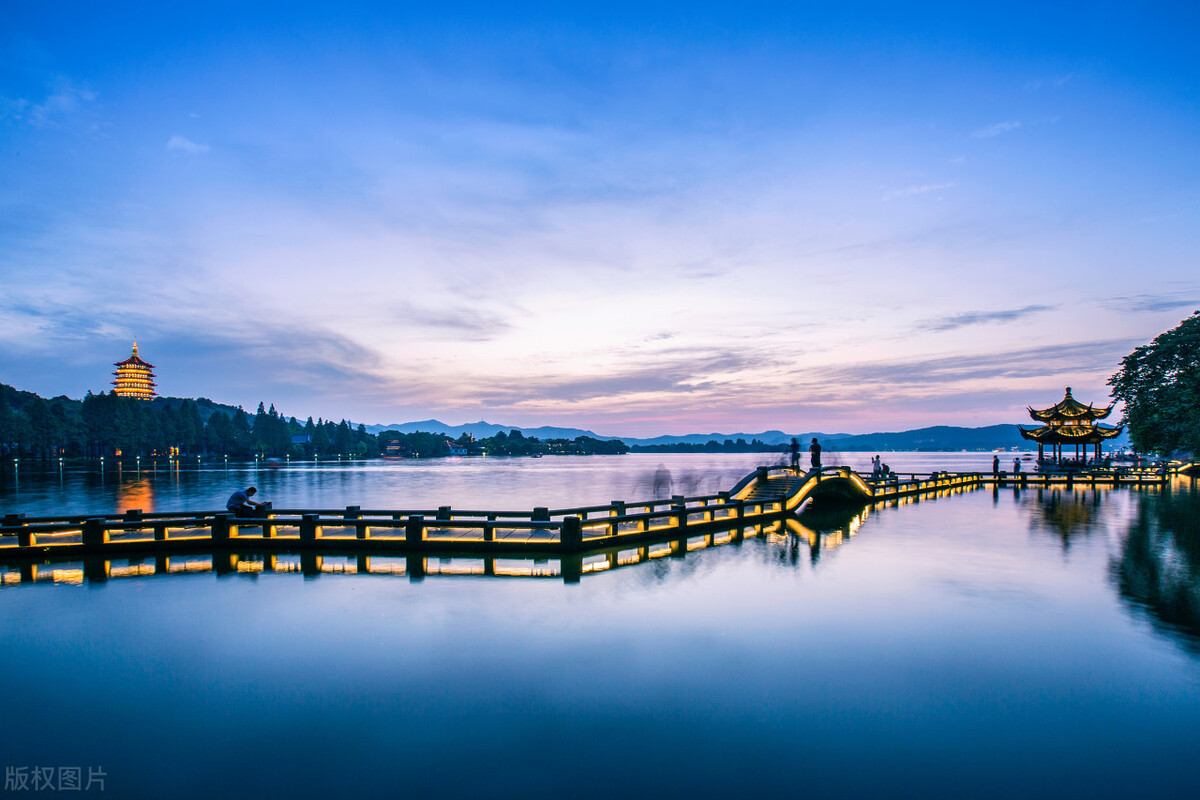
[414,529]
[24,538]
[443,513]
[617,510]
[310,531]
[354,513]
[220,527]
[571,533]
[489,529]
[679,511]
[541,514]
[94,532]
[268,528]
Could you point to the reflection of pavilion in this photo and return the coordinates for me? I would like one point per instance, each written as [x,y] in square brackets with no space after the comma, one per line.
[1067,513]
[1070,422]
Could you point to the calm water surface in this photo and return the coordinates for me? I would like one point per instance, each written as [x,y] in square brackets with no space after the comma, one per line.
[984,644]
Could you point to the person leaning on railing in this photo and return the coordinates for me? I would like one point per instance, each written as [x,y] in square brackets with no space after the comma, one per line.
[240,505]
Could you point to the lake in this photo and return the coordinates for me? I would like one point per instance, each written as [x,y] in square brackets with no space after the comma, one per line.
[987,644]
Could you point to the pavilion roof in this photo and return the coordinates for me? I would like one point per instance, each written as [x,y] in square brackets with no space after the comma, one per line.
[1069,434]
[134,361]
[1069,409]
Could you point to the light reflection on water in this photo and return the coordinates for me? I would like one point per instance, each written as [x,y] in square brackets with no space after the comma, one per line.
[986,644]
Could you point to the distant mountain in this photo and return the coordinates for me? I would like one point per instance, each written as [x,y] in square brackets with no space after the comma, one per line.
[766,437]
[945,437]
[483,430]
[939,437]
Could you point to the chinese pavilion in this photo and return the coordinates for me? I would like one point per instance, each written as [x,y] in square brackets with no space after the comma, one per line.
[1070,422]
[134,377]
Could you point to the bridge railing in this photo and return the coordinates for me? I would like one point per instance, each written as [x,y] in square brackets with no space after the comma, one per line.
[615,521]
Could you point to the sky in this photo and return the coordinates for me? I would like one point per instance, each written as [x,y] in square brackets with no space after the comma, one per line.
[639,219]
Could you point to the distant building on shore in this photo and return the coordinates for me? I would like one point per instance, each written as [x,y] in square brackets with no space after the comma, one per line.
[1069,422]
[134,377]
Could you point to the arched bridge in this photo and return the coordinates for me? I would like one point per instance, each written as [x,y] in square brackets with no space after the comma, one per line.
[840,486]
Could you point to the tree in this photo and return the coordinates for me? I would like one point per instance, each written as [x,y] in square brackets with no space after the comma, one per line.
[1160,386]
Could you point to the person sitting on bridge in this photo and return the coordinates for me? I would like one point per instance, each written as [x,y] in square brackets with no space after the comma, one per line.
[240,505]
[794,447]
[814,450]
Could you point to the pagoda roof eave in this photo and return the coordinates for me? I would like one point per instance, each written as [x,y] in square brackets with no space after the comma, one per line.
[133,361]
[1069,409]
[1064,434]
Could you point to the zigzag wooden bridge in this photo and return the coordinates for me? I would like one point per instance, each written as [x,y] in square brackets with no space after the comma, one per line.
[619,532]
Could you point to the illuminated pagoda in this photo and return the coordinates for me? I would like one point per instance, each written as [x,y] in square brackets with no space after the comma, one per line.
[1070,422]
[134,377]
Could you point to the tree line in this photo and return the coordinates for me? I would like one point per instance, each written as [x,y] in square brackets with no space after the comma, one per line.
[512,443]
[1160,385]
[107,425]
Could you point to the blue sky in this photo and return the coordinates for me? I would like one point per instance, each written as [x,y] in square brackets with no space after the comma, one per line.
[639,220]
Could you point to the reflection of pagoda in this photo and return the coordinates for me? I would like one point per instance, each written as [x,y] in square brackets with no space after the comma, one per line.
[134,377]
[1070,423]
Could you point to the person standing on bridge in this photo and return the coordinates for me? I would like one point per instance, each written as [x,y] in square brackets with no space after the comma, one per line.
[814,450]
[794,448]
[1016,466]
[995,465]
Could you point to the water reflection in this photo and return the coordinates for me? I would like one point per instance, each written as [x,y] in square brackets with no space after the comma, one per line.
[1158,571]
[1065,513]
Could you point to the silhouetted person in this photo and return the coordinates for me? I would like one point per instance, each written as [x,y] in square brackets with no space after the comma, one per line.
[876,467]
[794,448]
[814,450]
[1016,466]
[995,465]
[662,481]
[240,505]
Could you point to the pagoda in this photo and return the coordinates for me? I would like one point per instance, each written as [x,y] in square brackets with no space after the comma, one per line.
[1070,422]
[134,377]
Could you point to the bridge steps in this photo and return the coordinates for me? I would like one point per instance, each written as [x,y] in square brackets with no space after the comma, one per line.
[775,487]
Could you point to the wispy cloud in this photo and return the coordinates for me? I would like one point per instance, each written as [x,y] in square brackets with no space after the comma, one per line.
[919,189]
[182,144]
[1039,362]
[996,129]
[63,102]
[678,372]
[940,324]
[454,322]
[1155,302]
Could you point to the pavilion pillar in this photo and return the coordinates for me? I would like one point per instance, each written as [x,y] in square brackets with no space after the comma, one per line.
[1041,448]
